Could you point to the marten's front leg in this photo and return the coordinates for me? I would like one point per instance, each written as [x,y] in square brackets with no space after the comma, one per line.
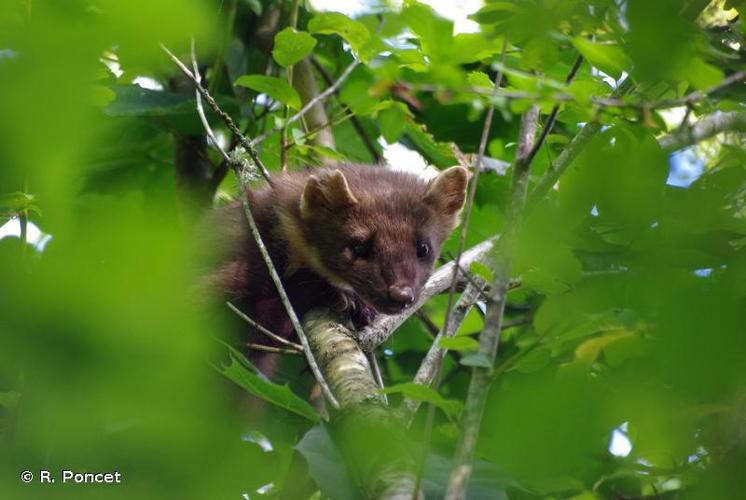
[361,313]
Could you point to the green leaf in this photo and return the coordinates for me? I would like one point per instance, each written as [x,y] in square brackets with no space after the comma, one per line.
[610,59]
[703,75]
[589,350]
[534,361]
[481,270]
[419,392]
[292,46]
[480,79]
[326,465]
[17,202]
[434,32]
[472,47]
[438,153]
[353,32]
[460,343]
[255,6]
[242,372]
[277,88]
[392,122]
[477,360]
[133,100]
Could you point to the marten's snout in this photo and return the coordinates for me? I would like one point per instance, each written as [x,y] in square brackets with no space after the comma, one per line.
[403,295]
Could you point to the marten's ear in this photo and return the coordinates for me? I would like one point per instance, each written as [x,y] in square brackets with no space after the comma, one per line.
[328,191]
[446,192]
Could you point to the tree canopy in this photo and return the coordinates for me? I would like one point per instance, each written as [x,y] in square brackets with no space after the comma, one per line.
[595,343]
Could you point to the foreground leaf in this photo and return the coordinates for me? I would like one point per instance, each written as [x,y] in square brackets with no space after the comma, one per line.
[242,372]
[423,393]
[277,88]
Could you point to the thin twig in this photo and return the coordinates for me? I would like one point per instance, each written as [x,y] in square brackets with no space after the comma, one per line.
[286,109]
[222,114]
[263,330]
[516,322]
[459,252]
[473,187]
[323,95]
[353,119]
[428,323]
[601,102]
[238,167]
[376,370]
[571,151]
[285,300]
[201,109]
[268,348]
[490,336]
[547,129]
[432,361]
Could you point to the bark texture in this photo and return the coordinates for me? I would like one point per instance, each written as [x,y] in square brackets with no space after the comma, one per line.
[370,436]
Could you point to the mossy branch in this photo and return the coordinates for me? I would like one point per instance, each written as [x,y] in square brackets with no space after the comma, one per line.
[370,436]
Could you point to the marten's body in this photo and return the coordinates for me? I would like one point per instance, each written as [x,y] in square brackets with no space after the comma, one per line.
[354,238]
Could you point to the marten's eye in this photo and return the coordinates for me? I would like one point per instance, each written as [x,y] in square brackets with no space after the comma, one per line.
[423,249]
[360,249]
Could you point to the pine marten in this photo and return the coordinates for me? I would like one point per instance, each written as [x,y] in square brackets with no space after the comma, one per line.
[356,238]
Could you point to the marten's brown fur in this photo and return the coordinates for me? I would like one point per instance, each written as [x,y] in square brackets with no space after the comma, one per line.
[358,238]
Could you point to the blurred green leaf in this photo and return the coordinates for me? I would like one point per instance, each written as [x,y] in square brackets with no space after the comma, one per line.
[133,100]
[425,394]
[392,122]
[277,88]
[291,46]
[610,59]
[459,343]
[477,360]
[480,79]
[353,32]
[482,271]
[325,464]
[534,361]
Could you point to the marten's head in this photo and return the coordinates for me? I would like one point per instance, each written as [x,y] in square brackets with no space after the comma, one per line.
[378,232]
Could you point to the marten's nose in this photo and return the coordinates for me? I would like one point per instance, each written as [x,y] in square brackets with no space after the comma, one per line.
[401,294]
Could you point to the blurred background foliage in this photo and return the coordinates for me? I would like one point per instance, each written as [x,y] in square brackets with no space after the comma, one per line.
[622,373]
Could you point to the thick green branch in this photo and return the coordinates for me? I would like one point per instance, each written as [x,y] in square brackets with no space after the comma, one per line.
[490,336]
[370,436]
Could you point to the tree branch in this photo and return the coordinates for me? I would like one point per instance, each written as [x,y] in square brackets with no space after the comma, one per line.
[222,114]
[316,119]
[571,151]
[489,338]
[703,129]
[433,359]
[601,102]
[310,104]
[555,111]
[370,436]
[353,119]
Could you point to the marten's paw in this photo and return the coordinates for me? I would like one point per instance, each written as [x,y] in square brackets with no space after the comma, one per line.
[361,313]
